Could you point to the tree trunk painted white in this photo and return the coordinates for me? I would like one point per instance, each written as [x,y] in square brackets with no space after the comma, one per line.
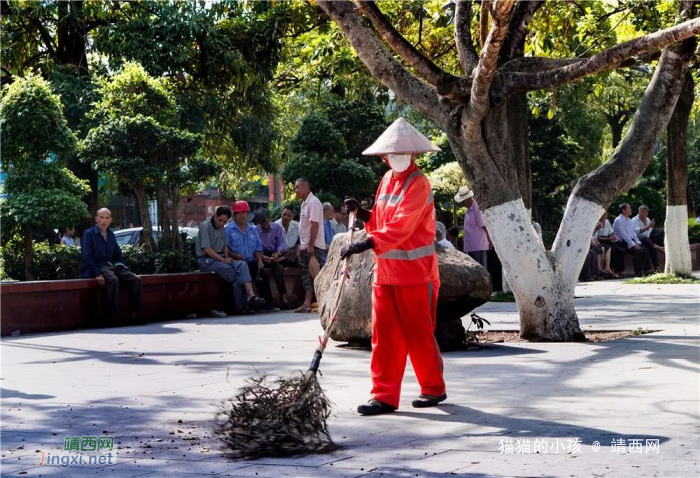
[505,285]
[574,236]
[677,245]
[543,282]
[677,248]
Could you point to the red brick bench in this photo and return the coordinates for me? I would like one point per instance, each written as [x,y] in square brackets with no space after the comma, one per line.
[694,257]
[49,306]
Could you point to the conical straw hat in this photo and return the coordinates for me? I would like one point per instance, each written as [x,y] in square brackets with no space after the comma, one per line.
[401,137]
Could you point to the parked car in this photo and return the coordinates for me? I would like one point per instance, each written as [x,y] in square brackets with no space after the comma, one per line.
[131,235]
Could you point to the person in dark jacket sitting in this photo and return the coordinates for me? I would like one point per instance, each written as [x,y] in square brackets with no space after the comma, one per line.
[102,259]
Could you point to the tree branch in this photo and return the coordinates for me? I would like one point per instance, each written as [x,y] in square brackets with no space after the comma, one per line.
[486,69]
[45,36]
[484,22]
[449,86]
[635,151]
[463,36]
[426,68]
[309,29]
[522,14]
[382,64]
[607,60]
[536,63]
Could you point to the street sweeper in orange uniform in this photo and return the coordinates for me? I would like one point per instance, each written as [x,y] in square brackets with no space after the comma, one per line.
[401,232]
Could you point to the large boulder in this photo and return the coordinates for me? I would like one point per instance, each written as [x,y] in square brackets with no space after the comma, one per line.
[465,285]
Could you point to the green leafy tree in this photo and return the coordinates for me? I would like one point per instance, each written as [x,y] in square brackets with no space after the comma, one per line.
[320,153]
[553,159]
[220,59]
[446,181]
[38,192]
[337,177]
[432,161]
[188,179]
[138,140]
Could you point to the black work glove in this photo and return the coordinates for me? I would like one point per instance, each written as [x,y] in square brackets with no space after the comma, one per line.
[356,248]
[362,214]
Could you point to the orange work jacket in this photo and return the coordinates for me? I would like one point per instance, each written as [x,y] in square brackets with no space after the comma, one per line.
[402,227]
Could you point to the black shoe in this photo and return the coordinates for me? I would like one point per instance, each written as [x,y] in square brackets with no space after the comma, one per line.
[424,401]
[375,407]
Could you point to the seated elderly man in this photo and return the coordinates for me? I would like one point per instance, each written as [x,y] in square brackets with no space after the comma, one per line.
[627,238]
[453,237]
[290,227]
[244,245]
[213,256]
[440,236]
[328,228]
[102,260]
[273,251]
[341,219]
[642,226]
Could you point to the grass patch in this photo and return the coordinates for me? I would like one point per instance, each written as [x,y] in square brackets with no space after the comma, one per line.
[502,297]
[662,278]
[641,331]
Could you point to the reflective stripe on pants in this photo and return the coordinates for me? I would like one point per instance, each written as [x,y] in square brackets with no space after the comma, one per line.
[403,323]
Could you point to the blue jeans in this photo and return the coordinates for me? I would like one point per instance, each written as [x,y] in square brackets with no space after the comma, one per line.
[236,273]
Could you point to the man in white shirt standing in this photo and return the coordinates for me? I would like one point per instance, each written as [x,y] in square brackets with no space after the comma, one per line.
[643,226]
[627,237]
[312,242]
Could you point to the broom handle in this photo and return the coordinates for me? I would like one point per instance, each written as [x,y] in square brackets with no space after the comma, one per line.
[336,304]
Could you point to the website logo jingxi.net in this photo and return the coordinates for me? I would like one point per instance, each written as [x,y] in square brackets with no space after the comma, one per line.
[84,450]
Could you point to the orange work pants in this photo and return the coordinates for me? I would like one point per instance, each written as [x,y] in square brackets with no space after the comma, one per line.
[403,323]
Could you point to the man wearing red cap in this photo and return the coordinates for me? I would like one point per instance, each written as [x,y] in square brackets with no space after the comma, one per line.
[401,231]
[244,245]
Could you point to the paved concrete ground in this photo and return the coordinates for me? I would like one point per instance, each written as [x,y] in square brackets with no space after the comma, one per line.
[155,389]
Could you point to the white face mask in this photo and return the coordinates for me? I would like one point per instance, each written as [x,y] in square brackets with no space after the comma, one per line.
[399,162]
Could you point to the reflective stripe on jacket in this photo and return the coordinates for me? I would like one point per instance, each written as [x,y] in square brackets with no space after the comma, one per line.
[402,226]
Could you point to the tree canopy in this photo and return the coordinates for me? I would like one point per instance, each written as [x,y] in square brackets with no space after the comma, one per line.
[38,192]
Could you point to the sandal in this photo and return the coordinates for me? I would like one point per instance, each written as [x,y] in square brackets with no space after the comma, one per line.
[302,310]
[256,301]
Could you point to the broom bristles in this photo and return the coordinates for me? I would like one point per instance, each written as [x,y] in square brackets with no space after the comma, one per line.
[285,416]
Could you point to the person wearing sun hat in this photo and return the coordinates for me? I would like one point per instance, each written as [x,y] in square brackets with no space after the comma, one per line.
[401,232]
[476,238]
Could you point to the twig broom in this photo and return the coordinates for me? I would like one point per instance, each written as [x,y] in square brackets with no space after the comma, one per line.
[285,416]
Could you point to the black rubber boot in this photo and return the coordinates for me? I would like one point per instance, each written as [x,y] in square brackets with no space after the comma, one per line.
[375,407]
[424,401]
